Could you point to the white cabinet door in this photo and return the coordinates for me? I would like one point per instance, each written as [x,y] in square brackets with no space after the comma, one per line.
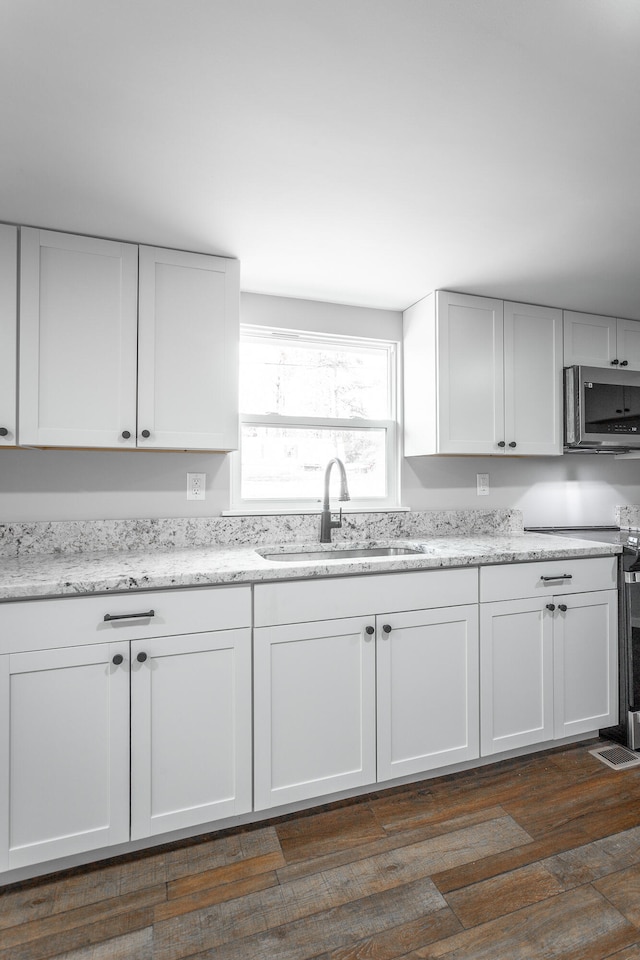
[533,380]
[427,686]
[64,755]
[188,351]
[596,341]
[190,730]
[314,709]
[78,315]
[585,662]
[470,366]
[589,339]
[516,674]
[8,334]
[628,352]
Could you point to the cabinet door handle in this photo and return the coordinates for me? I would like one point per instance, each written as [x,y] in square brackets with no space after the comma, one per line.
[3,432]
[624,363]
[501,443]
[146,434]
[386,628]
[513,444]
[563,607]
[129,616]
[141,657]
[614,363]
[559,576]
[551,606]
[369,630]
[117,659]
[126,434]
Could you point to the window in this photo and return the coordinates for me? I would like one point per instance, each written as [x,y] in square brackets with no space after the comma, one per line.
[305,398]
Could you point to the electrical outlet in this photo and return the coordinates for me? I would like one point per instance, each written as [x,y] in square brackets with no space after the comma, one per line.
[196,486]
[482,482]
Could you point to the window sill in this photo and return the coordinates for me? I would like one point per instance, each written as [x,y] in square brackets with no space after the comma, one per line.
[285,511]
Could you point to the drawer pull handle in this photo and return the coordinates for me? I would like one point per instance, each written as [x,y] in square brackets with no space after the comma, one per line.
[559,576]
[129,616]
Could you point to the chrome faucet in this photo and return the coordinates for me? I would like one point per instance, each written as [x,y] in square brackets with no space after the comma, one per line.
[326,523]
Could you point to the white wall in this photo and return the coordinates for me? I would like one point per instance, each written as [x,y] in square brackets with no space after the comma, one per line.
[570,490]
[69,484]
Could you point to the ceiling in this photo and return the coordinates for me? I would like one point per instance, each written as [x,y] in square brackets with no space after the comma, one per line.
[359,151]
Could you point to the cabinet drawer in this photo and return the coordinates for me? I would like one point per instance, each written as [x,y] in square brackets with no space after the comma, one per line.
[69,621]
[327,599]
[511,581]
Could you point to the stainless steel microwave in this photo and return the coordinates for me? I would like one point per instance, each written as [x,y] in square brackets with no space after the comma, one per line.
[602,409]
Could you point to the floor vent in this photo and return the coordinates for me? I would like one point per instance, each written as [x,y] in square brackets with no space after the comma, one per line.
[618,758]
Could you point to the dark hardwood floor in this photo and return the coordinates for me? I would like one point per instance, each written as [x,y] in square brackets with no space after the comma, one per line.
[531,858]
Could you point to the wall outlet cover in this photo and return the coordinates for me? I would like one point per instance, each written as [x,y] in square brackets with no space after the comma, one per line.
[196,486]
[482,481]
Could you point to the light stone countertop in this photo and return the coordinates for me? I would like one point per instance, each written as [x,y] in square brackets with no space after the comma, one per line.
[50,575]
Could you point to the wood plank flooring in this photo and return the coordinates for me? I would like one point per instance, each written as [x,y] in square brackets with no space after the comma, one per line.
[531,858]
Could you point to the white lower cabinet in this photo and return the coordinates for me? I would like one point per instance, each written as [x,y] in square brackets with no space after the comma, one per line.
[126,716]
[342,703]
[516,674]
[190,730]
[585,663]
[65,747]
[315,714]
[102,742]
[427,689]
[548,660]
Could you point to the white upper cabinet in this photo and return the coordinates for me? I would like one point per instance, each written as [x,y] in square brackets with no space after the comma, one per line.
[533,380]
[110,359]
[482,377]
[8,333]
[78,316]
[596,341]
[187,351]
[470,373]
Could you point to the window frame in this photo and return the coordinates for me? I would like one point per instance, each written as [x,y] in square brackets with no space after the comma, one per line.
[390,426]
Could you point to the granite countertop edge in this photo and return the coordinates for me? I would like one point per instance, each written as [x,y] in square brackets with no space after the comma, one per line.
[58,575]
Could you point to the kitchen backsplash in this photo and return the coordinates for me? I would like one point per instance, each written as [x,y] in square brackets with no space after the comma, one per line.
[90,536]
[628,516]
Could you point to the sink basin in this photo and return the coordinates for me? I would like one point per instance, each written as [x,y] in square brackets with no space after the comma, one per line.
[337,553]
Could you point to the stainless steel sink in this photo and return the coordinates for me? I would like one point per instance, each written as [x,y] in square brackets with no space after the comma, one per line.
[336,553]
